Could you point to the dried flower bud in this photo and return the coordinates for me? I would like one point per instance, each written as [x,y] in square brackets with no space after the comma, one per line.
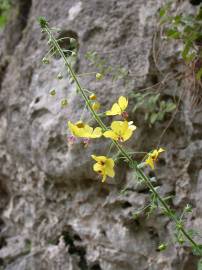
[71,139]
[124,115]
[86,142]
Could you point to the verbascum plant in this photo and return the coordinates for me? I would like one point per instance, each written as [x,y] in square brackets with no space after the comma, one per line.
[119,132]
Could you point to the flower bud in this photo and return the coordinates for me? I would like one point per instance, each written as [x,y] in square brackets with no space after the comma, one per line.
[64,103]
[52,92]
[59,76]
[96,106]
[181,241]
[73,42]
[188,208]
[92,97]
[71,139]
[162,247]
[45,60]
[86,142]
[99,76]
[124,115]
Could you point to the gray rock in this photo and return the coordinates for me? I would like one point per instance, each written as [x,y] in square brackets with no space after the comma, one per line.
[54,212]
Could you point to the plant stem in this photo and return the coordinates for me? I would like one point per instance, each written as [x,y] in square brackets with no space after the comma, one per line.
[119,147]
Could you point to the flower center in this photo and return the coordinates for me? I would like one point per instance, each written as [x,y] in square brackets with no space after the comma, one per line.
[120,138]
[124,115]
[80,124]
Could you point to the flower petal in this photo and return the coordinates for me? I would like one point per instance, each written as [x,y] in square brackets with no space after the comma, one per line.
[110,134]
[109,167]
[127,135]
[97,167]
[97,133]
[123,103]
[150,162]
[115,110]
[99,158]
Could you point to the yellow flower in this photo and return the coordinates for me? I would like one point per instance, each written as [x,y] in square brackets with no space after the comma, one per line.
[153,156]
[104,166]
[120,131]
[96,106]
[85,131]
[118,108]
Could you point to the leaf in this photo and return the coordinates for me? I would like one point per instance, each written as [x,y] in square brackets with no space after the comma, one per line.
[170,107]
[173,33]
[153,118]
[186,50]
[161,115]
[146,116]
[162,11]
[199,266]
[199,15]
[162,105]
[199,74]
[191,57]
[177,19]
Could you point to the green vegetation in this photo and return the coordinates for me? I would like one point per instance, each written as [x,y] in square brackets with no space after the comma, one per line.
[153,106]
[5,7]
[187,29]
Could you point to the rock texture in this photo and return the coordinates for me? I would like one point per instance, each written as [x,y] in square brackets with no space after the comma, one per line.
[54,212]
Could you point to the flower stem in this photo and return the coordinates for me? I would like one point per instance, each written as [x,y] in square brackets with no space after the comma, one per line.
[126,155]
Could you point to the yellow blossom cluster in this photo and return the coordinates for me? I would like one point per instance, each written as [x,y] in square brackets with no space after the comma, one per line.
[120,131]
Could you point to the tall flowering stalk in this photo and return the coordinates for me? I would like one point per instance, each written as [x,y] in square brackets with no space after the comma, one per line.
[120,132]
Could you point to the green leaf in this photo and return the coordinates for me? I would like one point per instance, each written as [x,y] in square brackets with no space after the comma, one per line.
[199,266]
[186,50]
[191,57]
[153,118]
[177,19]
[162,11]
[162,105]
[161,115]
[199,74]
[199,15]
[173,33]
[170,107]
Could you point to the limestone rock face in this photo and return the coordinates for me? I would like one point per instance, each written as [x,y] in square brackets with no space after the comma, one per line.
[54,212]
